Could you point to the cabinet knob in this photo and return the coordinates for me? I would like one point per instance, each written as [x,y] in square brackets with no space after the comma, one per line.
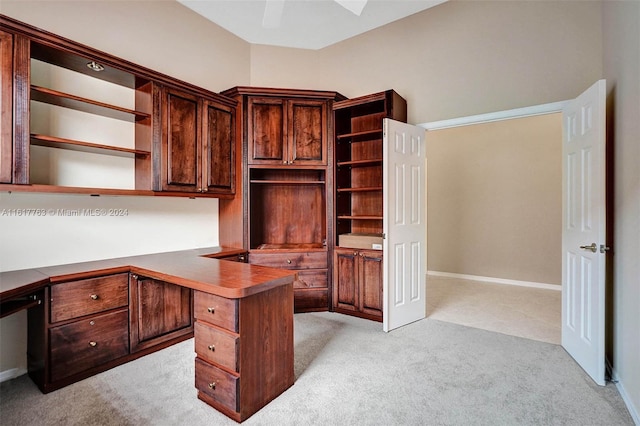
[94,297]
[289,261]
[212,348]
[284,161]
[212,385]
[93,344]
[211,310]
[92,322]
[134,276]
[355,253]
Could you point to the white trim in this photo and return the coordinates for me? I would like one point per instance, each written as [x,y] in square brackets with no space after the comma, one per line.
[545,286]
[633,410]
[496,116]
[11,374]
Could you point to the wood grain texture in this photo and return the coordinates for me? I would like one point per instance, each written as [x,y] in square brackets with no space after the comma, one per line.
[6,107]
[219,149]
[78,298]
[216,310]
[217,346]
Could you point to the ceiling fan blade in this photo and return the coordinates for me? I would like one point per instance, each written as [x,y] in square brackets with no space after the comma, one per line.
[353,6]
[272,13]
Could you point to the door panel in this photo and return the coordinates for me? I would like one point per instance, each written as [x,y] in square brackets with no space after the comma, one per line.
[371,282]
[307,138]
[583,236]
[265,127]
[181,156]
[346,279]
[404,224]
[219,153]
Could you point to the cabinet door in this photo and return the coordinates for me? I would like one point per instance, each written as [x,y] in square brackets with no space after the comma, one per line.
[345,283]
[159,312]
[370,279]
[6,107]
[218,159]
[265,128]
[306,132]
[181,153]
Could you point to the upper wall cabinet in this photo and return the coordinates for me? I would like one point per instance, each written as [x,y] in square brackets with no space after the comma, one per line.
[78,120]
[287,131]
[197,144]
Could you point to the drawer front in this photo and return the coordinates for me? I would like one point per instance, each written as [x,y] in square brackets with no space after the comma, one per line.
[78,298]
[290,260]
[217,346]
[88,343]
[218,384]
[216,310]
[311,279]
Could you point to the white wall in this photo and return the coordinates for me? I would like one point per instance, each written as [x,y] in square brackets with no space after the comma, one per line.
[621,22]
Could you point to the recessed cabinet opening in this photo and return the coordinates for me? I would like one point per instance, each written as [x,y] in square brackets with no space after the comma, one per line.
[299,196]
[83,122]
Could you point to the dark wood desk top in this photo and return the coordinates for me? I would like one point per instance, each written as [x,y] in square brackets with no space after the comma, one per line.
[197,269]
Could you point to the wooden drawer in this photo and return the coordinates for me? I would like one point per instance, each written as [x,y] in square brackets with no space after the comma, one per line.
[217,346]
[290,260]
[311,279]
[88,343]
[219,385]
[78,298]
[216,310]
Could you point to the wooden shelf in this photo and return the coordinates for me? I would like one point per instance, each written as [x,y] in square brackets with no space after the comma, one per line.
[288,182]
[360,217]
[94,148]
[368,189]
[54,97]
[360,134]
[292,246]
[360,163]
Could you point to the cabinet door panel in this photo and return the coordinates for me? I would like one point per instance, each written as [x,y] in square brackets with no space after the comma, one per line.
[181,154]
[6,107]
[371,282]
[160,312]
[346,280]
[307,135]
[219,153]
[266,124]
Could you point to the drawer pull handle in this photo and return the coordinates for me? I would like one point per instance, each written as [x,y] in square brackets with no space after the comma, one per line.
[211,310]
[289,261]
[212,385]
[94,297]
[212,348]
[93,344]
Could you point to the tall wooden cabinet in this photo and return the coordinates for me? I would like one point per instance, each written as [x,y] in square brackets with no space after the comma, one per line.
[281,212]
[357,267]
[6,107]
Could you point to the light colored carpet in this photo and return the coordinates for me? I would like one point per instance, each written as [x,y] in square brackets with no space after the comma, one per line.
[527,312]
[348,372]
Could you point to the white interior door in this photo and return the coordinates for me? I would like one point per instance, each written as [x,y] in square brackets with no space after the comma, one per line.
[404,224]
[583,235]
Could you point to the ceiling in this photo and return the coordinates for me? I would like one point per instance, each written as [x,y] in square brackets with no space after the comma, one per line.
[306,24]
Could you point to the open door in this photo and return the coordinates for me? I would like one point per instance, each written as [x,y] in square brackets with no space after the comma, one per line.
[404,224]
[583,234]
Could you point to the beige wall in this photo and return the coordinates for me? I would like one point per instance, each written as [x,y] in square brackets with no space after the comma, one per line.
[494,199]
[457,59]
[621,22]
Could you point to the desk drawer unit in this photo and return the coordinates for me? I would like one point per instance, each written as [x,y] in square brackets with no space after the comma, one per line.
[216,310]
[218,385]
[85,297]
[88,343]
[217,346]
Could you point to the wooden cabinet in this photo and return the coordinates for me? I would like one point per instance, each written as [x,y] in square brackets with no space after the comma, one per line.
[82,327]
[244,350]
[126,129]
[283,206]
[159,312]
[6,107]
[287,131]
[357,283]
[197,144]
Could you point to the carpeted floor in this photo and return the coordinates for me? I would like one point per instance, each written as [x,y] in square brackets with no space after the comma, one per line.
[348,372]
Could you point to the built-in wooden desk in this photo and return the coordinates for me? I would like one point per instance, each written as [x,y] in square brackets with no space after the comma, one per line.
[85,318]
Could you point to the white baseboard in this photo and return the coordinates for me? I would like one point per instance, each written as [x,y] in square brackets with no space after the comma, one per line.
[11,374]
[633,410]
[496,280]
